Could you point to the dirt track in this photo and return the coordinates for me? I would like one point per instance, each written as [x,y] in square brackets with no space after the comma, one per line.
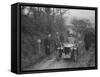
[51,63]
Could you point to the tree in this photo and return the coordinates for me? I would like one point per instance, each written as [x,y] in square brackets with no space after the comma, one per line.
[84,27]
[37,23]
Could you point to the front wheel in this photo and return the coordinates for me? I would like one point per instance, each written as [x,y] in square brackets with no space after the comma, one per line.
[74,56]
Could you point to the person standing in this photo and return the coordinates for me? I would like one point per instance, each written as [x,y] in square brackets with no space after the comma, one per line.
[57,46]
[47,44]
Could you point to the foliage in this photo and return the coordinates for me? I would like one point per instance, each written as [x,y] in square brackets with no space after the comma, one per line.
[85,28]
[37,23]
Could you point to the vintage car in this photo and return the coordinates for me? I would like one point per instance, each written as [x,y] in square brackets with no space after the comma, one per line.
[68,51]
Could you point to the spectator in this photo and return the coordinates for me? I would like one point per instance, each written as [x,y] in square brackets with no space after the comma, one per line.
[47,44]
[89,39]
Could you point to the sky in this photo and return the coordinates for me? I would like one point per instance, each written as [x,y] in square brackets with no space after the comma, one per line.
[80,14]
